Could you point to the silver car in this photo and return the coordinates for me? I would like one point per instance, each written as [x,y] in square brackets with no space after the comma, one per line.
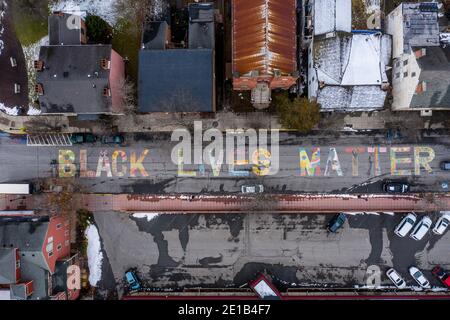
[396,278]
[253,189]
[441,225]
[419,277]
[405,226]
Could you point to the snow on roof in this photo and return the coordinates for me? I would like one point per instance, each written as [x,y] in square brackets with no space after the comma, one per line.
[364,63]
[332,15]
[352,98]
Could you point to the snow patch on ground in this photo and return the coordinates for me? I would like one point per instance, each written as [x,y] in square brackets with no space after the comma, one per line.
[94,253]
[146,215]
[102,8]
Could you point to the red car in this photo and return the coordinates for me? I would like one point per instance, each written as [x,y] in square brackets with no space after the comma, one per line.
[442,275]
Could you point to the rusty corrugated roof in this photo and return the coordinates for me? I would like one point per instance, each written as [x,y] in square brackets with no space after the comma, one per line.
[264,36]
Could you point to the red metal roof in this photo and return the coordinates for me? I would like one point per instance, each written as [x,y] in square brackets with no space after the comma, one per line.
[264,36]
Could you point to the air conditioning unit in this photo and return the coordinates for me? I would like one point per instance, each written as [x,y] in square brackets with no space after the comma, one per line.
[426,113]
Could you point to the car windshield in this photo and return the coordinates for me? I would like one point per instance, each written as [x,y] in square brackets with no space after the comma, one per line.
[410,221]
[418,274]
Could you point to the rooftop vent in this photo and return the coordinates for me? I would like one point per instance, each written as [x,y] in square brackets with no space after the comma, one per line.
[105,64]
[38,65]
[39,89]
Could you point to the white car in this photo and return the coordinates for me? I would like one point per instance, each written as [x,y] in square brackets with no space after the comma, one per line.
[405,226]
[396,278]
[421,229]
[419,277]
[441,225]
[252,189]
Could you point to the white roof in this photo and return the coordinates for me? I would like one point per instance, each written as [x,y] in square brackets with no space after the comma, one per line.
[364,66]
[332,15]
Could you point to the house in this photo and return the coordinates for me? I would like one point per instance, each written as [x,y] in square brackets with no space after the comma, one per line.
[74,78]
[421,68]
[179,79]
[34,254]
[264,47]
[347,71]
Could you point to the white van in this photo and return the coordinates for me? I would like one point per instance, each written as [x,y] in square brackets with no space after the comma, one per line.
[405,225]
[421,229]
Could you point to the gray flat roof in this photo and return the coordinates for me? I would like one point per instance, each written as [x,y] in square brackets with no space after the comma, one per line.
[179,80]
[201,26]
[59,31]
[435,72]
[73,79]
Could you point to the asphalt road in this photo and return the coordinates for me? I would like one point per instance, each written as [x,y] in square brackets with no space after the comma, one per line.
[20,162]
[182,251]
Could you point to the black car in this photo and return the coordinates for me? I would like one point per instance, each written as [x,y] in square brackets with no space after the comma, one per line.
[113,139]
[395,187]
[336,222]
[445,165]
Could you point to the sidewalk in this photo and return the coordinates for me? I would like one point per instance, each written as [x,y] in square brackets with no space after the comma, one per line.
[166,122]
[273,203]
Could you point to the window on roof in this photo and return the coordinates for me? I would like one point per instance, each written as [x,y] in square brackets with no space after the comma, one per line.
[59,247]
[413,74]
[397,64]
[50,254]
[405,74]
[397,75]
[18,264]
[58,226]
[405,62]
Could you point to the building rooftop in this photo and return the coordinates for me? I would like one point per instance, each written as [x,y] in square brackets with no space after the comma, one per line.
[347,71]
[435,73]
[73,79]
[332,15]
[64,29]
[178,80]
[155,35]
[264,36]
[420,25]
[201,26]
[7,265]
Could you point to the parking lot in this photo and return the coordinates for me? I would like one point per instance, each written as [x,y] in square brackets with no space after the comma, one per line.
[174,252]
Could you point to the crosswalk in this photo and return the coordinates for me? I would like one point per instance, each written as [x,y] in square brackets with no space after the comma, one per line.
[49,140]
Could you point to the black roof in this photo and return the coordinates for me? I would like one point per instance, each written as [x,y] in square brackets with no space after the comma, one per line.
[435,73]
[201,25]
[73,80]
[179,80]
[59,31]
[155,35]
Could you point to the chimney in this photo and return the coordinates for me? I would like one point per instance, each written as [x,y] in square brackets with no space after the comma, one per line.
[105,64]
[39,65]
[107,92]
[39,89]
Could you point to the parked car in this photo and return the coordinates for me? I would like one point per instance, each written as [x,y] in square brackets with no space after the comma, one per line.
[336,222]
[395,187]
[396,278]
[132,280]
[442,275]
[442,224]
[77,138]
[419,277]
[113,139]
[253,189]
[445,165]
[421,229]
[405,226]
